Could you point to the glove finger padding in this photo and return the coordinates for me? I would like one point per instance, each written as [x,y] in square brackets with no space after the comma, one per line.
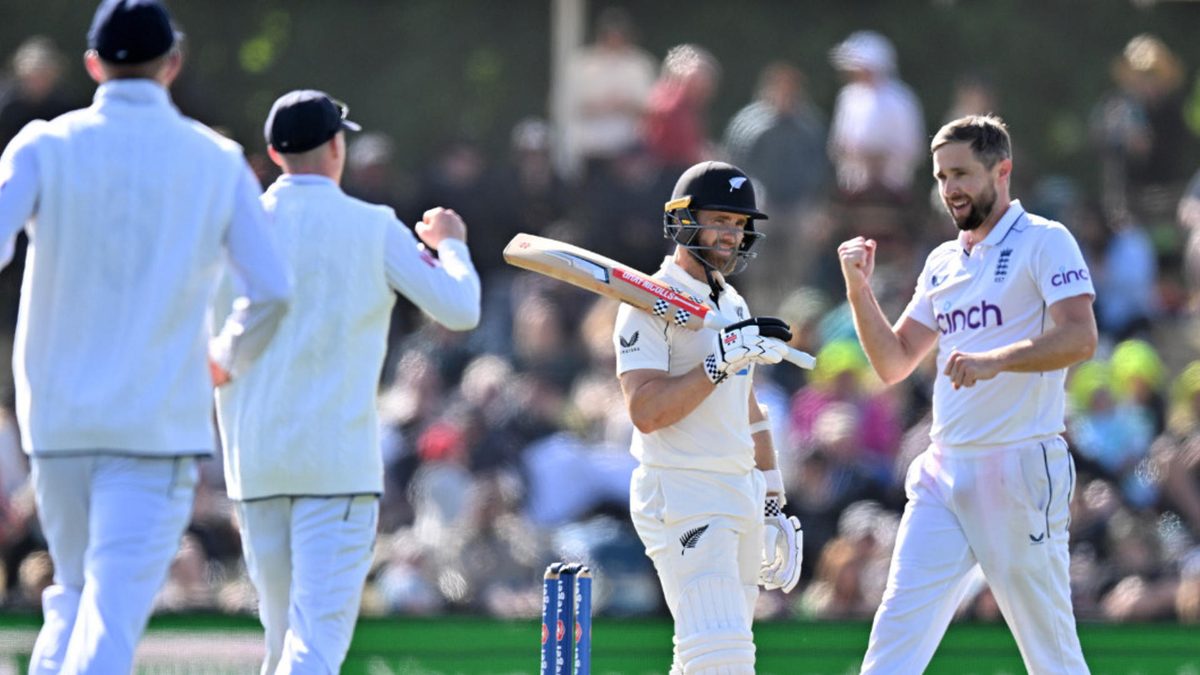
[782,569]
[757,340]
[769,326]
[773,351]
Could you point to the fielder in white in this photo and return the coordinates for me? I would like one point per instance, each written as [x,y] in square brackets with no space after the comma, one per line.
[707,480]
[1008,303]
[132,211]
[300,431]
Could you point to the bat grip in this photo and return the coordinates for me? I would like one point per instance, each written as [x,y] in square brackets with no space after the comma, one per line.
[795,356]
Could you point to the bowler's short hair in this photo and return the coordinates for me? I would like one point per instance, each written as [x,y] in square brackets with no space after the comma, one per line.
[987,134]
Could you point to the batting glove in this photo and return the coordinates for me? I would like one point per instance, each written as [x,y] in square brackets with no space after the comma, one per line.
[783,540]
[757,340]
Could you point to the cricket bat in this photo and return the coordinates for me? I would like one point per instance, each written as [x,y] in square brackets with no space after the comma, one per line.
[594,272]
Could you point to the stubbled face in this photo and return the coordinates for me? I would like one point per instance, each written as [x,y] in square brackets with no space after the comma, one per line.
[967,187]
[721,234]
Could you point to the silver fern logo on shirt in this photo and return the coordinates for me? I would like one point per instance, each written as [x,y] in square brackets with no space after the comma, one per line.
[691,538]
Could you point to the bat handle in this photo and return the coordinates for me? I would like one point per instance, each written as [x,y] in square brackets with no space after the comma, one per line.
[795,356]
[803,359]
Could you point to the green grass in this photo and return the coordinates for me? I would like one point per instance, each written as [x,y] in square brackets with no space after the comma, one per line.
[462,645]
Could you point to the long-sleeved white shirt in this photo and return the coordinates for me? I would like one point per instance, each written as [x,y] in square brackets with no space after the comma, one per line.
[303,420]
[131,211]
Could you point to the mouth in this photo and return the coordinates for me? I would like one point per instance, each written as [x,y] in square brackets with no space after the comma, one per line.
[959,207]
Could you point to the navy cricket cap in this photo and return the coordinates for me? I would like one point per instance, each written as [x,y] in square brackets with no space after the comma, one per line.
[131,31]
[304,119]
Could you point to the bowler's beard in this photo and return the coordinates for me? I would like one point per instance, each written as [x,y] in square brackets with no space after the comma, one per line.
[981,208]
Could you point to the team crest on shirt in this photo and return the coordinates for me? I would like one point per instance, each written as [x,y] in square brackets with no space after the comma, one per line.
[1002,265]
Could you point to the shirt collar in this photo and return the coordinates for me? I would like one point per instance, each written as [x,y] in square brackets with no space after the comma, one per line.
[137,92]
[305,179]
[691,284]
[1000,231]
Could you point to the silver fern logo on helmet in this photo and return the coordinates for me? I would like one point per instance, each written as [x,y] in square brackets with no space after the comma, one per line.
[736,183]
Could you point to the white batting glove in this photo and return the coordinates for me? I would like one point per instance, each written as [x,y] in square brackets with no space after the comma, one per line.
[783,540]
[758,340]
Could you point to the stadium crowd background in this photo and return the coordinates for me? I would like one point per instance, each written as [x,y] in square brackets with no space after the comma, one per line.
[506,448]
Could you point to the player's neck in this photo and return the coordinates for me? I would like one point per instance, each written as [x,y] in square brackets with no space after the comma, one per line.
[688,263]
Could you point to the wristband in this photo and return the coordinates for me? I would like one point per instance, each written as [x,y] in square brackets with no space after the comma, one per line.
[761,425]
[774,478]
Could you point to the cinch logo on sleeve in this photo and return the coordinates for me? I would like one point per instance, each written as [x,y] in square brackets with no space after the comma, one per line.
[1066,276]
[979,316]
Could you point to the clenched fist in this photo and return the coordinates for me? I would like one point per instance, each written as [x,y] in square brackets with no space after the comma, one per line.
[857,256]
[438,224]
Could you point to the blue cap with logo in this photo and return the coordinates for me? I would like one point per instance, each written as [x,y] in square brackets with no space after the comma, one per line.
[131,31]
[304,119]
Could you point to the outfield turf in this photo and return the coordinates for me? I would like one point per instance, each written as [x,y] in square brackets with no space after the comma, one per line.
[453,645]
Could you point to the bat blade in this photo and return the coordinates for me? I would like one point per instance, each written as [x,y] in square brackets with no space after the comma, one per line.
[604,276]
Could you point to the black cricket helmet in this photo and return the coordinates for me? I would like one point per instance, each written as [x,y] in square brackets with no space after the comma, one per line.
[712,186]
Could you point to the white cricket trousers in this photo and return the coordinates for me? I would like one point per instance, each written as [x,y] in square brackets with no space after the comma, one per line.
[308,558]
[113,525]
[704,532]
[1005,509]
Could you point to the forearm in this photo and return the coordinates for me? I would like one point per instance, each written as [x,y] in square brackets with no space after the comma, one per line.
[664,401]
[764,444]
[1057,348]
[891,358]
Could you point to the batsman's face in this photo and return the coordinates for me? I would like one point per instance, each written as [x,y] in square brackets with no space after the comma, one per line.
[967,187]
[721,234]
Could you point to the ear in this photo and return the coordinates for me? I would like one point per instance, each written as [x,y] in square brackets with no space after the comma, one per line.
[337,145]
[1004,171]
[275,156]
[171,68]
[94,67]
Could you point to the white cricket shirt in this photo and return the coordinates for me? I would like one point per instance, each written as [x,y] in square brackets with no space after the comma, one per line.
[716,435]
[132,211]
[995,295]
[303,420]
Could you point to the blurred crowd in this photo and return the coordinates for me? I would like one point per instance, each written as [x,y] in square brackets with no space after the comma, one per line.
[507,448]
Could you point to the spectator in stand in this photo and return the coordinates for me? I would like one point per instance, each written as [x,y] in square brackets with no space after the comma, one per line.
[878,135]
[1110,437]
[842,377]
[676,123]
[779,141]
[34,93]
[1139,378]
[531,195]
[1128,279]
[1141,132]
[1181,474]
[618,209]
[606,93]
[370,171]
[974,94]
